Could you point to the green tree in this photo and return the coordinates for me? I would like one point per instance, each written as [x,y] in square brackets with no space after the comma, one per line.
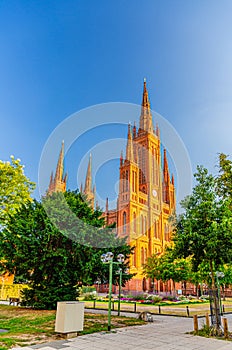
[52,261]
[167,267]
[15,188]
[224,179]
[204,230]
[151,268]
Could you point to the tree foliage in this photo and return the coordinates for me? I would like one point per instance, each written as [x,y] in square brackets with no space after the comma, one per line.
[166,267]
[15,188]
[51,261]
[224,179]
[204,230]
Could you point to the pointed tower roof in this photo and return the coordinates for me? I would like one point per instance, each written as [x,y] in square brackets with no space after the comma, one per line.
[173,180]
[165,169]
[121,158]
[107,204]
[129,147]
[60,164]
[58,182]
[146,123]
[89,191]
[88,179]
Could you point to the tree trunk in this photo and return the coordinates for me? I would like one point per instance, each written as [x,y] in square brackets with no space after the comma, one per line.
[185,288]
[214,290]
[201,288]
[223,292]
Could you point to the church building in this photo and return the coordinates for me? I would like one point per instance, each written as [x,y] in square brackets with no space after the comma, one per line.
[146,197]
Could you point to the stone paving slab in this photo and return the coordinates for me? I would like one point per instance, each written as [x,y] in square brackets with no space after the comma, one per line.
[165,333]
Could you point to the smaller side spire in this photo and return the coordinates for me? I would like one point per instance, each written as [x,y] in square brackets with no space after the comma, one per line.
[107,204]
[58,182]
[88,179]
[121,158]
[134,131]
[60,164]
[129,148]
[165,168]
[157,131]
[51,179]
[89,191]
[166,180]
[173,180]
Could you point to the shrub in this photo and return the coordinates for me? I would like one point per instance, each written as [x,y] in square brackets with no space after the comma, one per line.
[137,297]
[156,299]
[170,298]
[89,296]
[87,289]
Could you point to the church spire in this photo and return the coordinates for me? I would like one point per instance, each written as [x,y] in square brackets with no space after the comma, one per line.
[88,190]
[60,164]
[146,123]
[58,182]
[88,179]
[166,180]
[165,168]
[129,147]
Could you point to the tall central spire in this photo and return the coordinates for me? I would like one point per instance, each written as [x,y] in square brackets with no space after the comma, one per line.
[146,123]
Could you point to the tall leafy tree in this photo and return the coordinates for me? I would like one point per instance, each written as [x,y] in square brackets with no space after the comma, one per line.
[224,179]
[15,188]
[204,230]
[51,259]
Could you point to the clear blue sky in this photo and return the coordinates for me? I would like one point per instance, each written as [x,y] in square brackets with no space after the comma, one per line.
[58,57]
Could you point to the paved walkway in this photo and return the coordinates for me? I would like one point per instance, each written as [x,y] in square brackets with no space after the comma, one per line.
[165,333]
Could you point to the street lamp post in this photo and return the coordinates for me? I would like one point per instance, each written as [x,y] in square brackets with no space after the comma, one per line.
[108,259]
[120,290]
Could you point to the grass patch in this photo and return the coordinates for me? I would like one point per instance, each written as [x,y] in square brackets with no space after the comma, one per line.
[210,332]
[28,327]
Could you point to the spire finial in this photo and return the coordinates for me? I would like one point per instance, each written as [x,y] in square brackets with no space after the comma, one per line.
[146,123]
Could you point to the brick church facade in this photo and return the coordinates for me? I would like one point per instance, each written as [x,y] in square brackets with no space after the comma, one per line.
[146,197]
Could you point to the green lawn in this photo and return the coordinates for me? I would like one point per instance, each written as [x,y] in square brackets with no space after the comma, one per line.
[29,327]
